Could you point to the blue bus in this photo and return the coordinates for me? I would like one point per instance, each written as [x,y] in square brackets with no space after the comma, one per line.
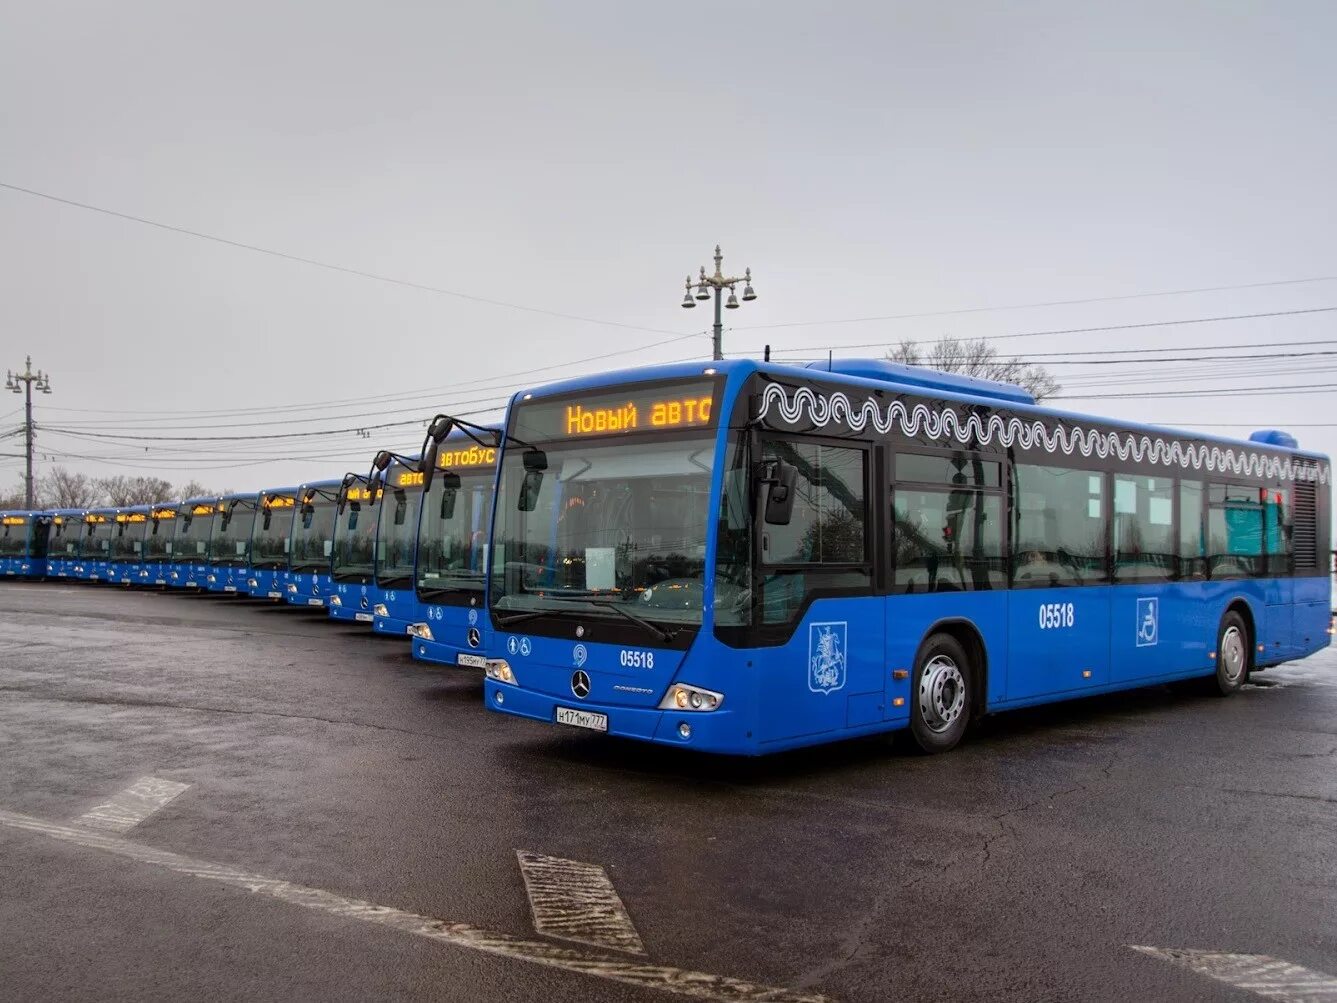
[750,557]
[353,568]
[125,558]
[95,551]
[460,463]
[190,547]
[398,481]
[312,552]
[271,540]
[159,536]
[65,542]
[230,544]
[23,542]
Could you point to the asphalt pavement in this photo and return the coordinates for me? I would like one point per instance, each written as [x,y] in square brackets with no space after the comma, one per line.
[209,796]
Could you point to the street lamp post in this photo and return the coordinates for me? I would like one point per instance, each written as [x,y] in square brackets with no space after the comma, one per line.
[23,383]
[717,283]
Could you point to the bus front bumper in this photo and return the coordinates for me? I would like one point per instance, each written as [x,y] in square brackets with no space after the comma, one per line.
[715,731]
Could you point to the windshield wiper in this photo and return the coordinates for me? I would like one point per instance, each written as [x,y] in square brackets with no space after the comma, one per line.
[612,604]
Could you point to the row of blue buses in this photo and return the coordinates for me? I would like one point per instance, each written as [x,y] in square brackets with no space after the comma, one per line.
[747,557]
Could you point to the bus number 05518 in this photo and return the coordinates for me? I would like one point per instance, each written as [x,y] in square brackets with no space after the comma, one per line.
[1055,614]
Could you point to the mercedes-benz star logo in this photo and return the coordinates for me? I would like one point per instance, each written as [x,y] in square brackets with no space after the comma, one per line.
[580,683]
[475,639]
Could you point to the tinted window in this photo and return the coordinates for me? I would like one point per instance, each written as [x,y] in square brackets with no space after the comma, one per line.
[1234,531]
[1192,540]
[1143,528]
[955,469]
[827,526]
[1059,534]
[1278,533]
[948,541]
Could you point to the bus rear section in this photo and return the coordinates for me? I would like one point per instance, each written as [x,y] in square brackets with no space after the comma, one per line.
[230,544]
[452,553]
[396,547]
[190,547]
[23,544]
[65,542]
[873,549]
[353,570]
[312,552]
[159,538]
[126,557]
[271,542]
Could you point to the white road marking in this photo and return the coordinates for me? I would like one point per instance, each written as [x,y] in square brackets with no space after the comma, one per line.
[1258,973]
[575,901]
[679,981]
[134,804]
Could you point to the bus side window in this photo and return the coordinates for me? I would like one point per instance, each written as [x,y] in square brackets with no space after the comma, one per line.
[1192,538]
[1234,531]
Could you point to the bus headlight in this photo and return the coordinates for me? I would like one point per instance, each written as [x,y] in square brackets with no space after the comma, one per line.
[420,630]
[684,696]
[499,670]
[380,609]
[251,583]
[212,579]
[292,587]
[336,601]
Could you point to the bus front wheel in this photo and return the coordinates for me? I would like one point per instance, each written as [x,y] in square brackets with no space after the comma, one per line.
[940,695]
[1232,656]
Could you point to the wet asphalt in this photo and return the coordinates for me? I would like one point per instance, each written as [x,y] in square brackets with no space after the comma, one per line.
[1021,866]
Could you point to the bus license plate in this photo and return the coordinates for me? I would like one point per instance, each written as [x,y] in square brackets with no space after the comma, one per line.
[363,617]
[315,602]
[229,588]
[472,661]
[582,718]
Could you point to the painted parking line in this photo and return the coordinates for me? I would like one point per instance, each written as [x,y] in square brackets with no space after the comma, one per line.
[679,981]
[1258,973]
[571,900]
[134,804]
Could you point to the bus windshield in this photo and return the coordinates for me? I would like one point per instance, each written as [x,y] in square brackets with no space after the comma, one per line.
[273,531]
[66,536]
[158,535]
[193,524]
[231,540]
[14,537]
[313,533]
[98,534]
[397,529]
[127,543]
[616,524]
[452,535]
[355,539]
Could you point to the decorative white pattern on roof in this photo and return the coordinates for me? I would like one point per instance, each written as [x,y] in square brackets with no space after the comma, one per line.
[1010,431]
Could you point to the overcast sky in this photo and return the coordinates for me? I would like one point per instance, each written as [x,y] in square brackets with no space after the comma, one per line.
[864,159]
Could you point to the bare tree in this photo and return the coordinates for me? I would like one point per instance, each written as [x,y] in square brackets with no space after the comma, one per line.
[134,490]
[976,358]
[194,489]
[62,488]
[13,499]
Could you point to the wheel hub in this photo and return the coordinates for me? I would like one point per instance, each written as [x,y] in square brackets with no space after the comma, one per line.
[1232,654]
[942,694]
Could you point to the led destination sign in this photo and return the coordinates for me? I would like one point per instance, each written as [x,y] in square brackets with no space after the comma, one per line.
[160,514]
[13,520]
[279,501]
[131,517]
[619,412]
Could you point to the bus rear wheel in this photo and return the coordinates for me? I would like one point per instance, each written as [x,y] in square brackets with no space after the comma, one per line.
[940,695]
[1232,656]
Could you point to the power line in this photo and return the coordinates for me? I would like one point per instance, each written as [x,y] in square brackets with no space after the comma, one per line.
[406,283]
[1298,388]
[1075,330]
[1033,306]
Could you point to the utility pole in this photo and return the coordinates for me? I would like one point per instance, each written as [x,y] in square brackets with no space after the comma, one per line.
[23,383]
[717,283]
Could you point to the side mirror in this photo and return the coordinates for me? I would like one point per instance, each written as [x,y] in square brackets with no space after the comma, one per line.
[780,477]
[450,489]
[536,462]
[431,447]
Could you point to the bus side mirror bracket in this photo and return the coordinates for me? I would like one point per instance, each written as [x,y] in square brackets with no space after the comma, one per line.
[536,462]
[780,478]
[450,489]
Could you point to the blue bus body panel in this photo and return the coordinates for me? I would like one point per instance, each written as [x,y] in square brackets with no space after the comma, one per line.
[450,635]
[402,608]
[187,575]
[308,588]
[268,583]
[357,602]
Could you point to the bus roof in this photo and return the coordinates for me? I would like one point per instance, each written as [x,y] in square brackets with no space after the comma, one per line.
[1271,439]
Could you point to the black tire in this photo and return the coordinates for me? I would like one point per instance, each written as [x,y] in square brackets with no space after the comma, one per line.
[941,695]
[1234,656]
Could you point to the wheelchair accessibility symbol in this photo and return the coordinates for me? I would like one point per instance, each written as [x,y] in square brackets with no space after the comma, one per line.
[1148,622]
